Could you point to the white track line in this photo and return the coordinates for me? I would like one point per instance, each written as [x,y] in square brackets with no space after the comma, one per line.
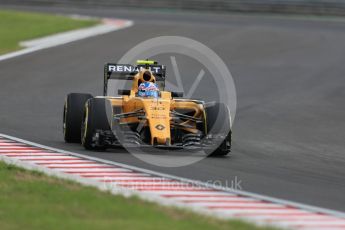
[107,26]
[169,190]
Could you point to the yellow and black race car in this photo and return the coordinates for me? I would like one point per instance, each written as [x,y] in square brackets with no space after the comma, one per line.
[145,115]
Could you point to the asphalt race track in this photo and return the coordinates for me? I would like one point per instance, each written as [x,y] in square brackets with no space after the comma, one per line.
[289,130]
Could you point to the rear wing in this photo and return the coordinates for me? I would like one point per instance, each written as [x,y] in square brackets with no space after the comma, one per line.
[127,72]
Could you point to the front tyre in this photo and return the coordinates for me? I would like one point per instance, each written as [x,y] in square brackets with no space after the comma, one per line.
[218,120]
[97,117]
[73,115]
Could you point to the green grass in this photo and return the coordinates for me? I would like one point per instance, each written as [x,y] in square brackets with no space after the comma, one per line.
[31,200]
[18,26]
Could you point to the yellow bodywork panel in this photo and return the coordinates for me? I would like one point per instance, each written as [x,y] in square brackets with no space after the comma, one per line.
[157,110]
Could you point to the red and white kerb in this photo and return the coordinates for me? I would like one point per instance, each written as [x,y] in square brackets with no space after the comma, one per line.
[210,199]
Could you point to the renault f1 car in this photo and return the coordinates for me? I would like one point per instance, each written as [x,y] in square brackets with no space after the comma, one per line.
[129,120]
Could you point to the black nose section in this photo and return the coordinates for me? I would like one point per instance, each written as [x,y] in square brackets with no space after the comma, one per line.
[147,76]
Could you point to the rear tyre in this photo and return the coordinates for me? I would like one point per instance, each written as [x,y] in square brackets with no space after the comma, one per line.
[97,117]
[73,115]
[218,120]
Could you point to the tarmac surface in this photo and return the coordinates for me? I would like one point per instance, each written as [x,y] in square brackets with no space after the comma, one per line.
[289,74]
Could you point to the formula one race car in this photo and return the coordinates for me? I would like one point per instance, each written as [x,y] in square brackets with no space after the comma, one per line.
[145,116]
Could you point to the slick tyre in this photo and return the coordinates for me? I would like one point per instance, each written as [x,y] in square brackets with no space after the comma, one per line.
[218,120]
[73,116]
[97,116]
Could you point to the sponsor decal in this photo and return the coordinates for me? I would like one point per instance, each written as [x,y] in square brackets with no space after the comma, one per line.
[160,127]
[124,68]
[158,116]
[157,108]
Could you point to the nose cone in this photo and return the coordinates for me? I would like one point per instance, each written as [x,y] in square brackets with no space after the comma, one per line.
[158,115]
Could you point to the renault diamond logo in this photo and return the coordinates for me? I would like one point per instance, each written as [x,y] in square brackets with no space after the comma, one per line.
[160,127]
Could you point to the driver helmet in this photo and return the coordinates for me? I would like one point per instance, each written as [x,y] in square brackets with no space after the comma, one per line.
[148,89]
